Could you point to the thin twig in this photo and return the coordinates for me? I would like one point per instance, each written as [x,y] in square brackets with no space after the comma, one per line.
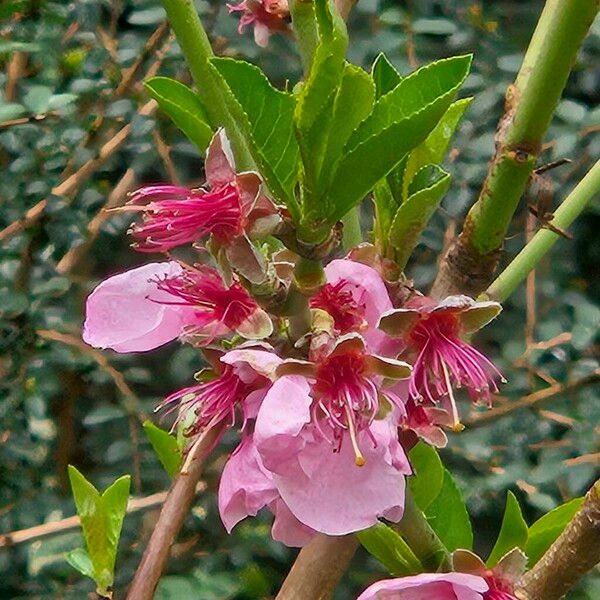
[170,521]
[529,401]
[32,534]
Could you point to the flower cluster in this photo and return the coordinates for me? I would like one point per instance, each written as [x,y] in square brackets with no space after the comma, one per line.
[325,420]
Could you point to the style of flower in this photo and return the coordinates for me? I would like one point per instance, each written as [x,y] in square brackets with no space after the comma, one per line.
[432,332]
[267,16]
[430,586]
[152,305]
[355,297]
[230,211]
[327,434]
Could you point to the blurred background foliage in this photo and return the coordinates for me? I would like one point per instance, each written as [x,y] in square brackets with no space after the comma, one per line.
[72,139]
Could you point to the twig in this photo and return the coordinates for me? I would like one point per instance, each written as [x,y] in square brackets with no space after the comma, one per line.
[32,534]
[14,70]
[172,515]
[318,568]
[165,154]
[573,554]
[484,418]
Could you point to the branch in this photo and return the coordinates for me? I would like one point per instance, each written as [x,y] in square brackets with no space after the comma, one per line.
[572,555]
[483,418]
[172,516]
[32,534]
[575,203]
[470,263]
[318,568]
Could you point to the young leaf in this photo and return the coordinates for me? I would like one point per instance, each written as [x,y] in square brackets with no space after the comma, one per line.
[413,215]
[266,115]
[101,521]
[184,107]
[513,531]
[384,74]
[80,560]
[448,516]
[388,547]
[400,121]
[433,149]
[165,445]
[547,528]
[426,483]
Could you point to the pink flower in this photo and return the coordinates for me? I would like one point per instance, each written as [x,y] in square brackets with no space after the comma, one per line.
[267,16]
[432,332]
[429,586]
[336,466]
[152,305]
[231,210]
[355,297]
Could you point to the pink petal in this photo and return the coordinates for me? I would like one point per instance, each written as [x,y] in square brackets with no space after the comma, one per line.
[428,586]
[124,312]
[286,528]
[282,416]
[329,493]
[245,487]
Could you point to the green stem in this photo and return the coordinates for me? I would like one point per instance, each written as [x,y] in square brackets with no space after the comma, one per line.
[421,538]
[540,244]
[305,28]
[352,235]
[530,103]
[197,50]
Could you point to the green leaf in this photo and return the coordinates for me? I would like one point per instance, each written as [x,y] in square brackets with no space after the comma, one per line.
[9,8]
[448,516]
[101,521]
[400,121]
[513,531]
[412,216]
[80,560]
[184,107]
[266,115]
[547,528]
[388,547]
[37,99]
[316,99]
[385,75]
[165,445]
[433,149]
[426,483]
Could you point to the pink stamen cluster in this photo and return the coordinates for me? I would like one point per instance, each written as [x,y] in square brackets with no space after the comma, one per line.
[337,300]
[174,216]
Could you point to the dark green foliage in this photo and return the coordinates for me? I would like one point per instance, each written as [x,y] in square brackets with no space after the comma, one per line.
[58,405]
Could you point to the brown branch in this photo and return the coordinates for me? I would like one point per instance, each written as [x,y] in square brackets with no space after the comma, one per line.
[172,516]
[529,401]
[318,568]
[32,534]
[572,555]
[14,70]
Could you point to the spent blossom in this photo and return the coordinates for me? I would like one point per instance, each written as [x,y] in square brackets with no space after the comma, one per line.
[432,331]
[267,17]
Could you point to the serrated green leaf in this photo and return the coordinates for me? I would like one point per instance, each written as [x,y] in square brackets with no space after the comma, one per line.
[385,75]
[266,115]
[165,445]
[80,560]
[388,547]
[400,121]
[184,107]
[448,516]
[412,216]
[426,483]
[433,149]
[547,528]
[513,531]
[101,521]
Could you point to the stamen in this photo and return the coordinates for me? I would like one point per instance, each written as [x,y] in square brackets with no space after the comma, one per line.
[360,459]
[458,426]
